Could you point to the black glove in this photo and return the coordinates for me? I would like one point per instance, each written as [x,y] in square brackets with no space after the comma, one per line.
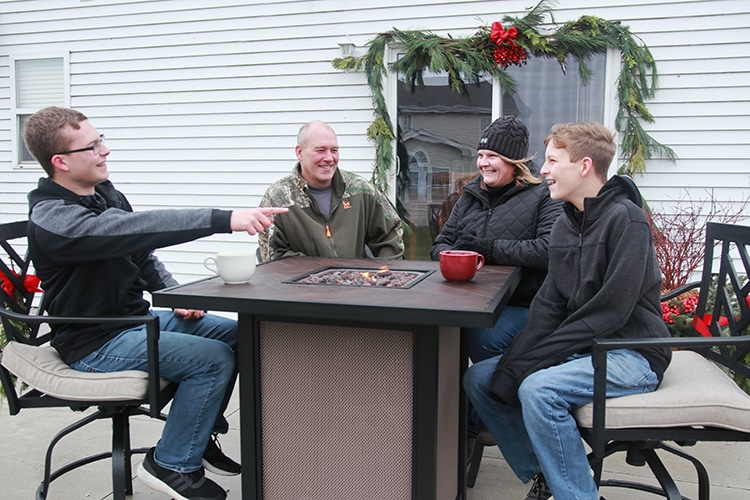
[479,245]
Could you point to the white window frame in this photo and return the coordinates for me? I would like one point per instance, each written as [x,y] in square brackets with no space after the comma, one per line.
[611,104]
[612,71]
[16,112]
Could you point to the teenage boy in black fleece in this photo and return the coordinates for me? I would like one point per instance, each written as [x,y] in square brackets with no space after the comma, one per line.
[603,282]
[95,257]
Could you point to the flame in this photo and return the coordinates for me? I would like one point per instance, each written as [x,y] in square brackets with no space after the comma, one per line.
[365,275]
[384,268]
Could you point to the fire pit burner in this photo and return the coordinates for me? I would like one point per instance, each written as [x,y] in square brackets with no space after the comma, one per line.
[345,276]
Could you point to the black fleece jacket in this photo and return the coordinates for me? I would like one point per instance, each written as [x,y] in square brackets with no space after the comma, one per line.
[603,282]
[94,256]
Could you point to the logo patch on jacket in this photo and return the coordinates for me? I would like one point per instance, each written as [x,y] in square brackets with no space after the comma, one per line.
[346,204]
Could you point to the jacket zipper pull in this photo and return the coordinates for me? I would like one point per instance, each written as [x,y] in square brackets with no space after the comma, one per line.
[328,231]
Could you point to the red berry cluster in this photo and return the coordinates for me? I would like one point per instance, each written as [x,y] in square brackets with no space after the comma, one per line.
[689,304]
[510,53]
[667,311]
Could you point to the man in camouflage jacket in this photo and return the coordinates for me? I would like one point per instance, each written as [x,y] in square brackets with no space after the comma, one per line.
[332,212]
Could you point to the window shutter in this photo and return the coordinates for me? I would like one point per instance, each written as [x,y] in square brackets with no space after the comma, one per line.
[39,83]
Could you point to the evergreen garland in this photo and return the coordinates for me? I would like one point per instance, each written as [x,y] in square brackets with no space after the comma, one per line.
[492,49]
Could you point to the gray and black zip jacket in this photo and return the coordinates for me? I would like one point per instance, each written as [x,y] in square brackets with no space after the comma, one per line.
[94,256]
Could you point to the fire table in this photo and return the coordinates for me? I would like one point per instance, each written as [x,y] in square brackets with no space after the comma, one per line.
[352,389]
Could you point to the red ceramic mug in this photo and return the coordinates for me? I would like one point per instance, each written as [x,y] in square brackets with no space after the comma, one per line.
[460,265]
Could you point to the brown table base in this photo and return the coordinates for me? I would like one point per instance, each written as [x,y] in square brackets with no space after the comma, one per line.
[351,392]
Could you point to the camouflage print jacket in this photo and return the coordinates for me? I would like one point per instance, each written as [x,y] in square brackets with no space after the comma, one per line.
[360,217]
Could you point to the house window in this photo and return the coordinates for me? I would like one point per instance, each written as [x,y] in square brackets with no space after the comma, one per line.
[405,122]
[484,122]
[37,83]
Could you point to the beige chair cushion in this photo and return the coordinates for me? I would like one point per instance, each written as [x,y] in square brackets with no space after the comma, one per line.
[694,392]
[44,370]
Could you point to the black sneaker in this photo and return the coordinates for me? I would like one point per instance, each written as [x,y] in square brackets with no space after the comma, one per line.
[215,461]
[485,438]
[539,490]
[180,486]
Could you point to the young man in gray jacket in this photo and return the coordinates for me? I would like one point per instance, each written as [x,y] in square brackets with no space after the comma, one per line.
[94,255]
[603,282]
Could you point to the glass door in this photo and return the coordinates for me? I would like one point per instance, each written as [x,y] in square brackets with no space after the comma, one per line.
[438,130]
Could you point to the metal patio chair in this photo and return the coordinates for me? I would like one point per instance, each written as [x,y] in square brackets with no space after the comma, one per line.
[698,400]
[50,382]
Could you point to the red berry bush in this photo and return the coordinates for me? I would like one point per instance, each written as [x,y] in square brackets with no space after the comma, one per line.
[680,235]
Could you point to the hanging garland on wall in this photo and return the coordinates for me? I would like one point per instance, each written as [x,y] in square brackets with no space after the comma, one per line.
[492,49]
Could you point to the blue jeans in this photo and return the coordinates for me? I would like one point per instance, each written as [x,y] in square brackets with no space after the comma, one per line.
[541,435]
[200,356]
[484,343]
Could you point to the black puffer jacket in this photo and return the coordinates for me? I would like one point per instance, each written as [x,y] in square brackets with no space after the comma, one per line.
[519,224]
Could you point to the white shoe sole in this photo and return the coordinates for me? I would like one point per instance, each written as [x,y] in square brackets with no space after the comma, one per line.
[155,483]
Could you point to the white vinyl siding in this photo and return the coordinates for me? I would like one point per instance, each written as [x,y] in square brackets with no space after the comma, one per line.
[201,101]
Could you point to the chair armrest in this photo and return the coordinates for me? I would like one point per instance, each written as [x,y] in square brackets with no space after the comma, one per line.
[156,401]
[679,291]
[599,350]
[600,346]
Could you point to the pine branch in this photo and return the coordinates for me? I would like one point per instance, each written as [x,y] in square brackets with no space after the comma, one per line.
[471,59]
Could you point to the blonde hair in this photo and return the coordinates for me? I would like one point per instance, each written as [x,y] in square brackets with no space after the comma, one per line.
[522,172]
[590,139]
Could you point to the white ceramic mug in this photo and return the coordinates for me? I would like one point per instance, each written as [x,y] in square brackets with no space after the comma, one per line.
[233,267]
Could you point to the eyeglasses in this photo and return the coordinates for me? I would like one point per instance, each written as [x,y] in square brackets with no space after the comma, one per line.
[95,148]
